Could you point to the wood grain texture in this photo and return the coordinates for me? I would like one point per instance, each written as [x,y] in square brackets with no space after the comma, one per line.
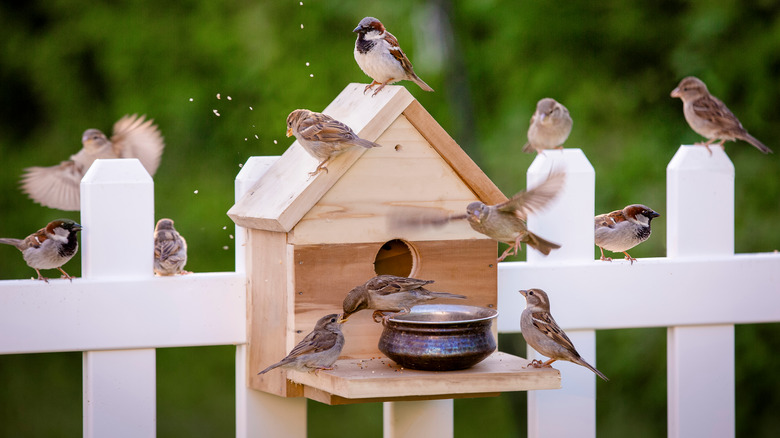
[286,192]
[382,378]
[324,274]
[455,156]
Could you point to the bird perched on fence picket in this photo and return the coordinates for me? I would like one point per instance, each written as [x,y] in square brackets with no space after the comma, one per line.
[50,247]
[322,136]
[550,126]
[390,293]
[59,186]
[624,229]
[710,117]
[170,249]
[544,335]
[319,350]
[379,55]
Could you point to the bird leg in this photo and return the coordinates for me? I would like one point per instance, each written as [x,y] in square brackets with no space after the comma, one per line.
[378,316]
[65,275]
[316,370]
[515,246]
[536,363]
[319,168]
[606,259]
[629,258]
[382,85]
[41,277]
[368,87]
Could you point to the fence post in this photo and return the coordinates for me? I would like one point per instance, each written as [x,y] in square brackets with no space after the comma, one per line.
[418,419]
[259,414]
[700,360]
[568,221]
[117,212]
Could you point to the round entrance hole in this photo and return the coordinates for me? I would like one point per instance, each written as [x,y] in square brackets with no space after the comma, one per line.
[396,257]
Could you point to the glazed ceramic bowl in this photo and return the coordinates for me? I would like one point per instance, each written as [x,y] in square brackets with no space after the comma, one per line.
[439,337]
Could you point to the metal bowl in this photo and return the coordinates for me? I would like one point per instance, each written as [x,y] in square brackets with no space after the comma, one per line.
[439,337]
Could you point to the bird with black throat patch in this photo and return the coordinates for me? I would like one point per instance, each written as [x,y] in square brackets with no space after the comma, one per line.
[379,55]
[621,230]
[50,247]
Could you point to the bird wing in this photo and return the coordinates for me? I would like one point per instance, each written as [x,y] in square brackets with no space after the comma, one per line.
[710,108]
[315,342]
[609,220]
[136,137]
[55,186]
[398,54]
[403,218]
[527,201]
[390,284]
[166,248]
[547,325]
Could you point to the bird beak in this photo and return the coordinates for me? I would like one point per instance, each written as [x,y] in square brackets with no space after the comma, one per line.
[289,132]
[343,319]
[524,293]
[653,214]
[542,117]
[676,92]
[356,30]
[77,227]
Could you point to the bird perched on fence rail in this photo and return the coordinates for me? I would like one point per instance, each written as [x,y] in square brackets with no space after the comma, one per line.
[322,136]
[59,186]
[390,293]
[50,247]
[379,55]
[319,350]
[710,117]
[170,249]
[624,229]
[544,335]
[550,126]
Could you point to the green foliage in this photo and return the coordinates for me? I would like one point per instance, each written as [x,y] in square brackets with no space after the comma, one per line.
[70,65]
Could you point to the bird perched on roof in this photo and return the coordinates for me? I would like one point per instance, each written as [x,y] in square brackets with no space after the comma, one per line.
[624,229]
[322,136]
[379,55]
[390,293]
[59,186]
[710,117]
[170,249]
[319,350]
[544,335]
[550,126]
[50,247]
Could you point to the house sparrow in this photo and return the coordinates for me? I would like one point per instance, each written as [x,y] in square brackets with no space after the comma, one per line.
[543,334]
[58,186]
[380,57]
[389,293]
[550,126]
[322,136]
[170,249]
[624,229]
[319,350]
[709,117]
[50,247]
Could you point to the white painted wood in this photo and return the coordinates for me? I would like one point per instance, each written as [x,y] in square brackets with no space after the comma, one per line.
[568,221]
[701,403]
[104,314]
[575,399]
[117,206]
[120,394]
[259,414]
[418,419]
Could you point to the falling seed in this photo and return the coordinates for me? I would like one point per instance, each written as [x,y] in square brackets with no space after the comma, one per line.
[225,227]
[251,109]
[218,97]
[307,64]
[216,112]
[301,25]
[230,98]
[231,236]
[196,192]
[245,139]
[275,142]
[241,164]
[226,247]
[311,75]
[301,3]
[191,99]
[257,137]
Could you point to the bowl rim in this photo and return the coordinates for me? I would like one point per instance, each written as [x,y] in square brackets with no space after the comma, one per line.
[431,308]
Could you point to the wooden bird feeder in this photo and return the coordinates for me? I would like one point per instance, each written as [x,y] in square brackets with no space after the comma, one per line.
[311,239]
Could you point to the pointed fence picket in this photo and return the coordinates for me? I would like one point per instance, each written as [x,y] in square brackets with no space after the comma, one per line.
[118,313]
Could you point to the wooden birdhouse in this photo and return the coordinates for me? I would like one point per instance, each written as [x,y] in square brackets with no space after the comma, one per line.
[312,238]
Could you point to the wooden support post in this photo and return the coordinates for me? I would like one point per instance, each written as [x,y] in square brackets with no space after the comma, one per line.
[568,221]
[419,419]
[700,403]
[119,386]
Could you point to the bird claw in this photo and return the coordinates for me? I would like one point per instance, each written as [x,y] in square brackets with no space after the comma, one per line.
[536,363]
[381,315]
[629,258]
[606,259]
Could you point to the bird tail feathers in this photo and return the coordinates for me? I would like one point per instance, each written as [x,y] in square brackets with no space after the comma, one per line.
[590,367]
[421,83]
[754,141]
[9,241]
[367,144]
[528,149]
[539,244]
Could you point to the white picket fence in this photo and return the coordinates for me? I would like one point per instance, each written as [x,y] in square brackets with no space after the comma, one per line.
[118,313]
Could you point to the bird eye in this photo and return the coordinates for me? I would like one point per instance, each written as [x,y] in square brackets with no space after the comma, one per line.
[333,320]
[530,292]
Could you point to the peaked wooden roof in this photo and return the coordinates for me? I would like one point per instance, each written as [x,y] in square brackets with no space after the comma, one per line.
[286,192]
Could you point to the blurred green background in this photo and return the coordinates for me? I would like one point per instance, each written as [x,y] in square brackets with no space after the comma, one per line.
[66,66]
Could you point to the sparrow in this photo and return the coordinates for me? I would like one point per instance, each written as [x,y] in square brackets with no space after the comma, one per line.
[624,229]
[58,186]
[170,249]
[50,247]
[322,136]
[710,117]
[318,350]
[550,126]
[389,293]
[380,57]
[543,334]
